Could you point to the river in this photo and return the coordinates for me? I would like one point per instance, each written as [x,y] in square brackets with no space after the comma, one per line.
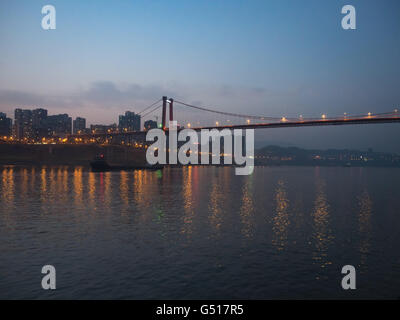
[199,233]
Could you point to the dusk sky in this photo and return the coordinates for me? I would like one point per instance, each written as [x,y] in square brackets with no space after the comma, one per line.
[270,58]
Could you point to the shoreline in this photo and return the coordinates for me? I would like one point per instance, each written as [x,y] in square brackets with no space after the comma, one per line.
[81,155]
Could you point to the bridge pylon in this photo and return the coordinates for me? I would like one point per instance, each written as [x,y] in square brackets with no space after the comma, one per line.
[164,111]
[171,109]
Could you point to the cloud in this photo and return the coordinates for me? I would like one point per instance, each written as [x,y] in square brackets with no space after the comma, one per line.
[19,98]
[108,93]
[98,95]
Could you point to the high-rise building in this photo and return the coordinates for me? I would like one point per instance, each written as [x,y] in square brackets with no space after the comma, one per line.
[59,125]
[129,122]
[79,125]
[5,125]
[39,123]
[23,124]
[150,124]
[39,117]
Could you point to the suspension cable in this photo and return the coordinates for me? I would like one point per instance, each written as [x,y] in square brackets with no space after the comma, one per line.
[153,104]
[227,113]
[147,113]
[278,119]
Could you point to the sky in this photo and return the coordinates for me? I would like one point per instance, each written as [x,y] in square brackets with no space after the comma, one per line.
[261,57]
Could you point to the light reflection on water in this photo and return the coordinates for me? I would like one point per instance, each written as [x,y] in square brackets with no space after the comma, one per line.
[216,204]
[198,232]
[323,237]
[364,220]
[247,209]
[188,199]
[7,192]
[281,219]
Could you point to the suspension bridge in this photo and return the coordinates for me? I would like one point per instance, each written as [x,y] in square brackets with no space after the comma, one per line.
[200,118]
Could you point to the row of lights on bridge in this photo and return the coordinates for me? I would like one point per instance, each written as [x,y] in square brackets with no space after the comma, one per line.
[284,119]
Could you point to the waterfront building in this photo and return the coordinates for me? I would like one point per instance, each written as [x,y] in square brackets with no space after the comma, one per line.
[59,125]
[129,122]
[5,125]
[150,124]
[79,125]
[23,124]
[39,123]
[101,128]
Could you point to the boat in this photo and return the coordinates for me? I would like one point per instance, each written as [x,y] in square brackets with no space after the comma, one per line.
[100,164]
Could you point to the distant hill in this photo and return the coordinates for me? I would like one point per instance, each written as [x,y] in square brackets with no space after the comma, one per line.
[276,155]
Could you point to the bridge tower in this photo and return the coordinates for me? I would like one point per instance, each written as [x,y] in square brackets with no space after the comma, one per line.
[171,109]
[164,111]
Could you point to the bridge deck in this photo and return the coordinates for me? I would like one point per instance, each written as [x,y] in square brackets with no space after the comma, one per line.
[287,124]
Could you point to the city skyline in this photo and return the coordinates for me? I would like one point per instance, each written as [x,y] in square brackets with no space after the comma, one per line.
[36,124]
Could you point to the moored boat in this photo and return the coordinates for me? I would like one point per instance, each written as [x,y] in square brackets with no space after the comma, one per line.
[101,164]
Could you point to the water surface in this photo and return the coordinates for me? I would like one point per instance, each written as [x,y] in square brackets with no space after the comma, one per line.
[199,232]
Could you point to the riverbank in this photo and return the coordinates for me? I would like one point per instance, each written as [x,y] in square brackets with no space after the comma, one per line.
[83,154]
[58,154]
